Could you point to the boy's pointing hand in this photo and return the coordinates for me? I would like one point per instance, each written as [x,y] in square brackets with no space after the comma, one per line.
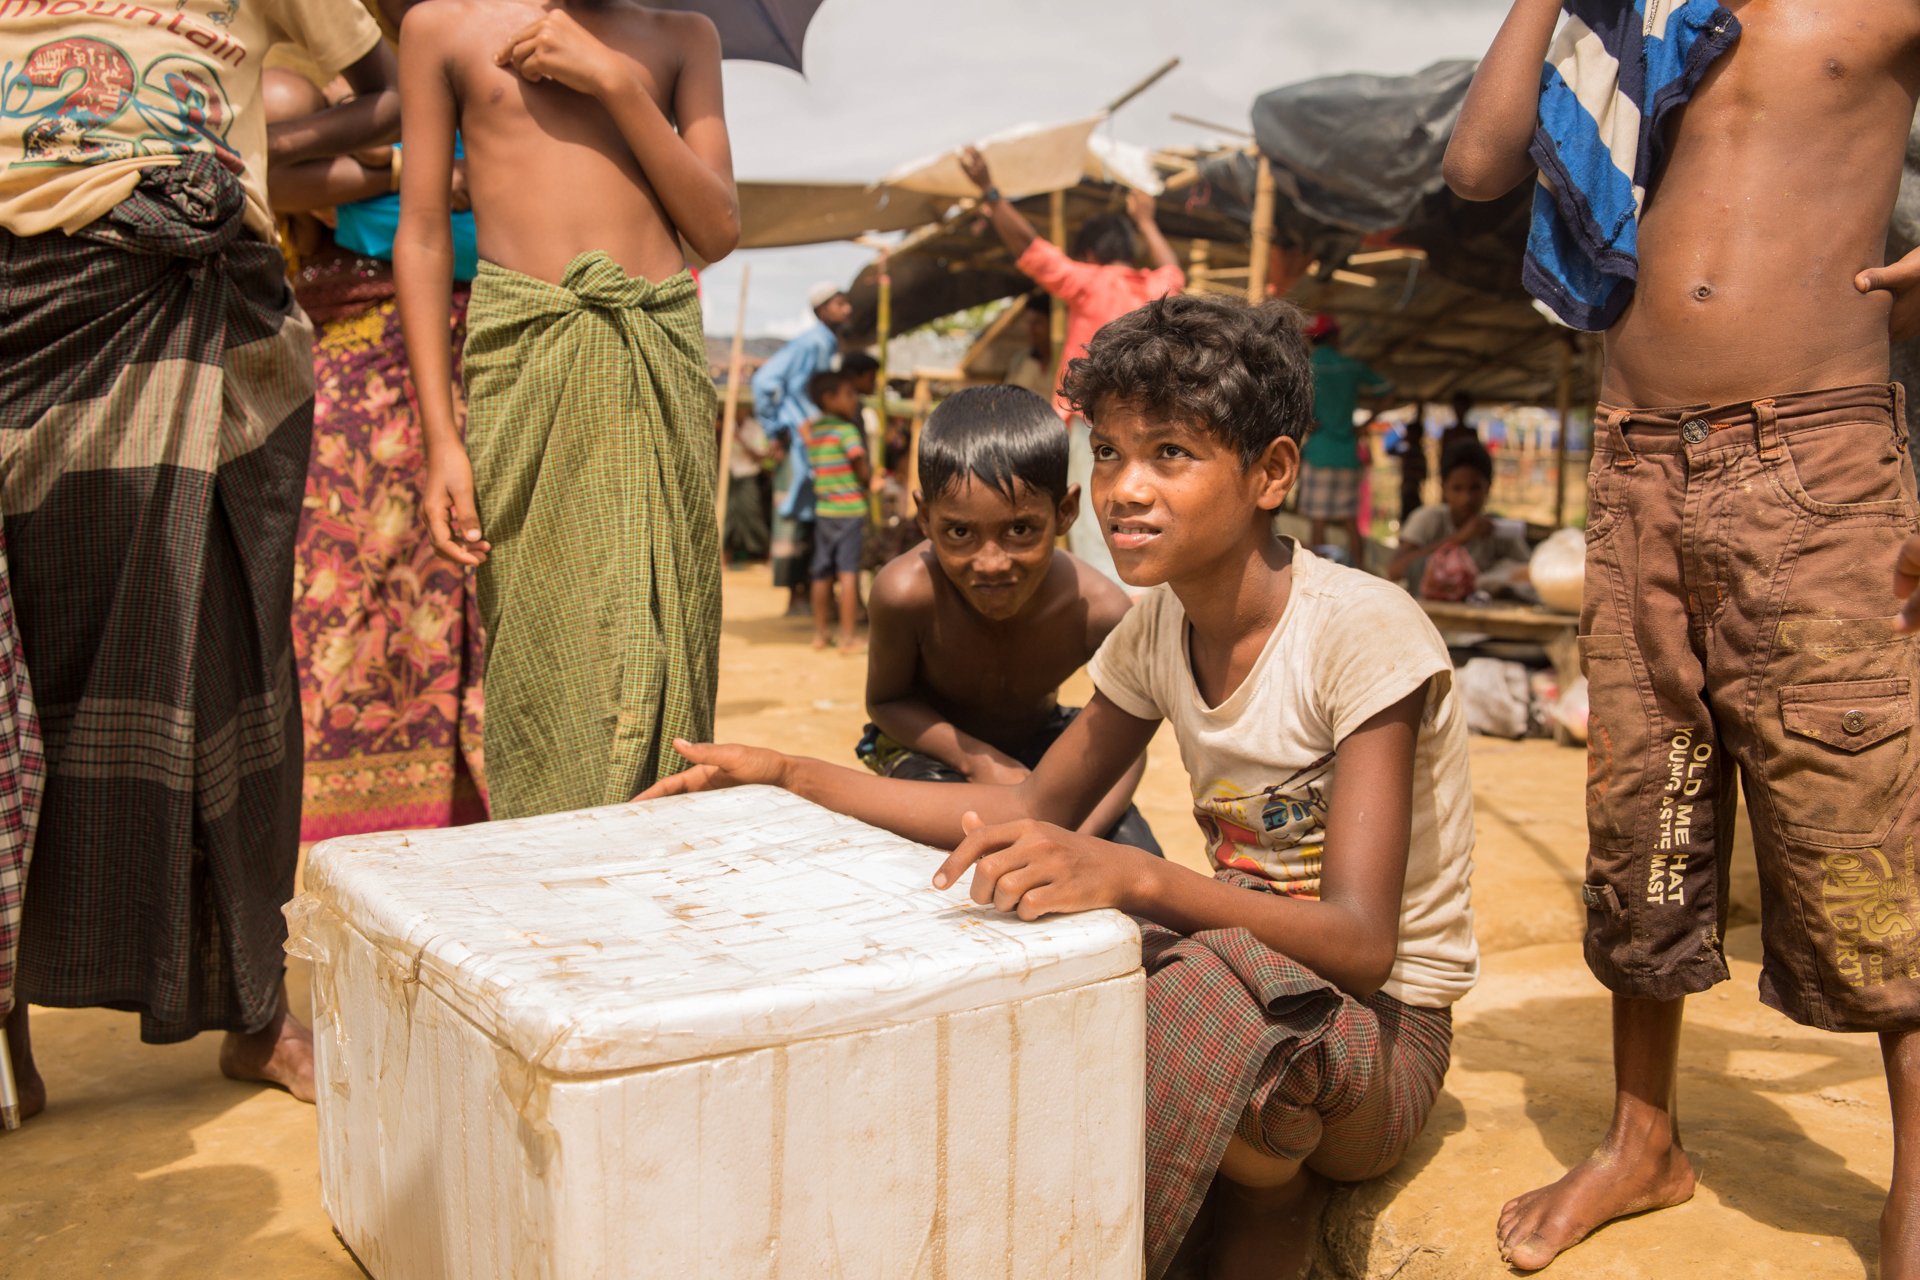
[1036,869]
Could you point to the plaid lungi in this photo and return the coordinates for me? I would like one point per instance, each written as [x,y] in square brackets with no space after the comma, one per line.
[1329,493]
[158,380]
[23,769]
[1243,1041]
[590,425]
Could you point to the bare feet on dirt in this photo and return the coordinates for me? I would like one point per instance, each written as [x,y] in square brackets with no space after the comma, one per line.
[1267,1233]
[279,1054]
[26,1077]
[1623,1177]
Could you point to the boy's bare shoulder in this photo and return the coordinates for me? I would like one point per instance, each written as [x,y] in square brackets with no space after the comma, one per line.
[1106,603]
[905,585]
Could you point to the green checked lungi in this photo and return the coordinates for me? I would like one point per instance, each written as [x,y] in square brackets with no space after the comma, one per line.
[158,384]
[591,432]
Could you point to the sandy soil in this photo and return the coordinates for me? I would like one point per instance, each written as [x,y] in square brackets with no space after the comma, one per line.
[148,1163]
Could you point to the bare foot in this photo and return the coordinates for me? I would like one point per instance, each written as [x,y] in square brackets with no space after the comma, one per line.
[821,642]
[1266,1233]
[852,648]
[26,1076]
[1625,1176]
[279,1054]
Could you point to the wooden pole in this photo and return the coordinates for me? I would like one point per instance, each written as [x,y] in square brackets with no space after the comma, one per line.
[1057,232]
[880,444]
[1560,445]
[1262,233]
[1199,268]
[1159,74]
[922,402]
[730,413]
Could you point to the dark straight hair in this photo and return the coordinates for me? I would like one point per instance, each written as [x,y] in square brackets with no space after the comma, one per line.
[1002,436]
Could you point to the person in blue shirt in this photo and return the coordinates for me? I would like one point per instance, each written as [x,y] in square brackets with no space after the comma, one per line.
[781,403]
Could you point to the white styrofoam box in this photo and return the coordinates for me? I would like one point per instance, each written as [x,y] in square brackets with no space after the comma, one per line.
[726,1035]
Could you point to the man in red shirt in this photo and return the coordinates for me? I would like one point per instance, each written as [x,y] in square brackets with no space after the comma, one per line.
[1099,282]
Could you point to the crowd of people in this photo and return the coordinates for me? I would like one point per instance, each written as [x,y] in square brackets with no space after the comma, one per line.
[324,417]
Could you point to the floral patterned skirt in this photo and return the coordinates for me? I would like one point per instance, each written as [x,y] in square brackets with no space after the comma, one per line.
[387,636]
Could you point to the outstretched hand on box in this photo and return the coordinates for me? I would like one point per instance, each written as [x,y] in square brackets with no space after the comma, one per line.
[1036,869]
[717,766]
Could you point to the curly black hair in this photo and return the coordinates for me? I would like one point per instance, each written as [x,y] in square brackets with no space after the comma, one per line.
[1240,373]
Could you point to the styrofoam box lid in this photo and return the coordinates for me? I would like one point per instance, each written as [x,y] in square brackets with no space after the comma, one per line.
[618,938]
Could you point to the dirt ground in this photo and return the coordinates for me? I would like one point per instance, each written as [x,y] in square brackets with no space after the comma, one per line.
[147,1163]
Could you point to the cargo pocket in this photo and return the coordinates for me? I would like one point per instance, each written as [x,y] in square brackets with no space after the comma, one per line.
[1618,734]
[1846,761]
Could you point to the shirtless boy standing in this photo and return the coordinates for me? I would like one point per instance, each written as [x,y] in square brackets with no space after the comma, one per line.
[1749,557]
[975,629]
[595,145]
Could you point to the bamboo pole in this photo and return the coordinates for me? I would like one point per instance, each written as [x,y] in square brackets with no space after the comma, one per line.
[1560,445]
[730,414]
[1057,232]
[1199,266]
[922,403]
[1159,74]
[1262,233]
[880,443]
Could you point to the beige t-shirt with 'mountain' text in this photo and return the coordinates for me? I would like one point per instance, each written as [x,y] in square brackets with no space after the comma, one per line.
[94,91]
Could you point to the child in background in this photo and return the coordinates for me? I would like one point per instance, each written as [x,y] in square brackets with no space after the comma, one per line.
[975,629]
[1460,520]
[1411,449]
[1298,999]
[837,457]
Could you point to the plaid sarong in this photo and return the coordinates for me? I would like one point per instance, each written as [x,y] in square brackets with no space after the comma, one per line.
[1329,493]
[591,431]
[1242,1040]
[23,769]
[158,380]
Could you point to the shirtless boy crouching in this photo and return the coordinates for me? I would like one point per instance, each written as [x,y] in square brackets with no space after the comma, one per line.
[595,144]
[974,630]
[1751,573]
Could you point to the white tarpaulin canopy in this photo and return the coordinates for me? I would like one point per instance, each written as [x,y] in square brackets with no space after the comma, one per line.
[1028,160]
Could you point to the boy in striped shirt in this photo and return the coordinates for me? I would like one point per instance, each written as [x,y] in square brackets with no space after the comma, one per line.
[838,458]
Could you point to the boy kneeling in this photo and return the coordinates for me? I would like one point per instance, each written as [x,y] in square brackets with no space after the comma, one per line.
[1298,1000]
[974,630]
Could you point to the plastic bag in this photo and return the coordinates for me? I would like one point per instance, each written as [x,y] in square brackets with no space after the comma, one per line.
[1450,574]
[1559,570]
[1496,696]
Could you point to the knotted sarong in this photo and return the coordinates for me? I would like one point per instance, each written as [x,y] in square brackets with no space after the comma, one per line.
[591,429]
[158,383]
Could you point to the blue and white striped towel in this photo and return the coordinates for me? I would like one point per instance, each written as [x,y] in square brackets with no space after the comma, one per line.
[1614,72]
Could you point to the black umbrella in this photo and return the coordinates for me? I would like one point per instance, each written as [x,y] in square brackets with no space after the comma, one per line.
[757,30]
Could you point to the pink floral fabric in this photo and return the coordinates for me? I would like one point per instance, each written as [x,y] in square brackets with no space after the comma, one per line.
[387,636]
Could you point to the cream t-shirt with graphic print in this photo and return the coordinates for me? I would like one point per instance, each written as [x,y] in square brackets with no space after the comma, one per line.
[94,91]
[1262,766]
